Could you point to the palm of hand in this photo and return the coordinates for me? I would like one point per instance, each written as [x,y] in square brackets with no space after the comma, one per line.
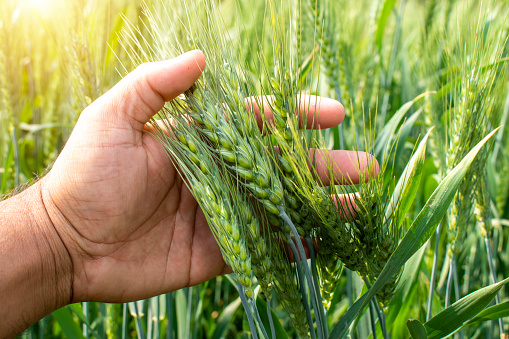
[131,227]
[129,214]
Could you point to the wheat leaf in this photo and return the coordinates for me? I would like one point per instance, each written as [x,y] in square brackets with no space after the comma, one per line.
[70,328]
[408,184]
[382,21]
[416,329]
[262,308]
[462,310]
[389,131]
[491,313]
[225,319]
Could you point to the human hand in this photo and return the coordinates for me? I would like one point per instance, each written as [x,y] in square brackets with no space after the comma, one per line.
[129,224]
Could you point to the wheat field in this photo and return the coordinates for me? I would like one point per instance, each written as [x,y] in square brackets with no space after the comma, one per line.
[419,251]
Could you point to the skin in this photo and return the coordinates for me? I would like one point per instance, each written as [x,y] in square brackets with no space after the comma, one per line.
[112,221]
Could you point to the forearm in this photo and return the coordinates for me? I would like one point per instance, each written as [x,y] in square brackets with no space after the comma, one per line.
[35,268]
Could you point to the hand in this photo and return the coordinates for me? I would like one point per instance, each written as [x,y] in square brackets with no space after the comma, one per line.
[113,221]
[130,226]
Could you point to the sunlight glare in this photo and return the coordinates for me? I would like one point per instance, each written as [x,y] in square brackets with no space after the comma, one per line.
[45,8]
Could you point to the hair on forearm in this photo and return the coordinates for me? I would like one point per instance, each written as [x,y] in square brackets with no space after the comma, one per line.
[23,186]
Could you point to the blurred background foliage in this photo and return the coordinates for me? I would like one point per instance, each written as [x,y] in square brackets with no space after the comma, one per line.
[57,56]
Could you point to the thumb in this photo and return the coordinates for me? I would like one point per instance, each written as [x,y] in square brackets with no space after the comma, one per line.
[143,92]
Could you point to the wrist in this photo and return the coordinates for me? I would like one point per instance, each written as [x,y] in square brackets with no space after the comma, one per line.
[35,264]
[58,260]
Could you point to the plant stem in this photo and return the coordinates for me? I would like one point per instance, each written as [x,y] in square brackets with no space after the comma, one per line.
[500,133]
[189,311]
[302,286]
[372,319]
[258,319]
[85,313]
[249,315]
[349,286]
[139,325]
[379,312]
[217,293]
[381,317]
[455,282]
[392,62]
[317,286]
[314,297]
[494,280]
[433,272]
[169,315]
[124,321]
[449,282]
[150,316]
[157,311]
[455,279]
[42,327]
[271,322]
[17,164]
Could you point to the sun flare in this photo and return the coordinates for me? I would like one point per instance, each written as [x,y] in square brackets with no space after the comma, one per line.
[44,7]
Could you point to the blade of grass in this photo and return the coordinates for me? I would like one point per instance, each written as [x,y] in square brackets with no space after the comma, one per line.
[181,310]
[278,328]
[382,22]
[453,317]
[416,329]
[225,319]
[249,314]
[78,310]
[125,321]
[389,131]
[434,269]
[493,278]
[8,163]
[491,313]
[403,299]
[170,312]
[70,328]
[408,184]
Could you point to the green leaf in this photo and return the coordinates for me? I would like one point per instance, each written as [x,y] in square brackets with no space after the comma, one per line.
[492,179]
[306,66]
[408,184]
[491,313]
[421,230]
[181,307]
[9,159]
[382,22]
[403,300]
[69,326]
[224,320]
[262,309]
[389,131]
[399,143]
[78,310]
[416,329]
[454,316]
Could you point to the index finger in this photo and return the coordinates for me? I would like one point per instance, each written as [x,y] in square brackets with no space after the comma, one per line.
[317,112]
